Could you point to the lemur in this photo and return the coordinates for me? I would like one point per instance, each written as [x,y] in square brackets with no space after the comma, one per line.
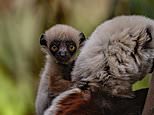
[61,44]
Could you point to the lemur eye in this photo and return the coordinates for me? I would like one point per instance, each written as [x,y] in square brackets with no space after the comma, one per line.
[71,48]
[54,48]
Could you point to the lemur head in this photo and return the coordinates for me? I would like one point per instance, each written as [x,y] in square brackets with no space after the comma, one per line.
[62,42]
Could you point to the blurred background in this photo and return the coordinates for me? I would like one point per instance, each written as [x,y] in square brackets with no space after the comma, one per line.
[21,24]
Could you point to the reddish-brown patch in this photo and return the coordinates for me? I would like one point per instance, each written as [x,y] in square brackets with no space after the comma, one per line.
[77,104]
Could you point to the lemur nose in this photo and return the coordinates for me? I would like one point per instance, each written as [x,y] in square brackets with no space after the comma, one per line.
[62,53]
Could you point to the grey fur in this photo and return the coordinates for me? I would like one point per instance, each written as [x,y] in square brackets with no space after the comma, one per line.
[53,71]
[56,102]
[118,53]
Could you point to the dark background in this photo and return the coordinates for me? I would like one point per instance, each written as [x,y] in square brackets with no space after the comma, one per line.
[21,24]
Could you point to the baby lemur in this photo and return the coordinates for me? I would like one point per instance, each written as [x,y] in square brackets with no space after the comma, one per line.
[60,43]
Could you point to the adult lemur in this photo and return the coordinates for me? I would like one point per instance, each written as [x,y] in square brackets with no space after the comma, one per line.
[60,43]
[118,53]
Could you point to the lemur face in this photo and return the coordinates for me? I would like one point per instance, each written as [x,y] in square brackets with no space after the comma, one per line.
[62,42]
[63,50]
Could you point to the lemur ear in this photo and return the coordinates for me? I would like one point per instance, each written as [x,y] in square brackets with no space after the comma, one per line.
[43,41]
[82,38]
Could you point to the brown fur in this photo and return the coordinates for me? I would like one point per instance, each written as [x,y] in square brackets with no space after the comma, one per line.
[72,103]
[77,102]
[55,77]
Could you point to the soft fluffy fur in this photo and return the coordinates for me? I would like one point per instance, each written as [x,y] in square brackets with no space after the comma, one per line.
[55,77]
[79,102]
[118,53]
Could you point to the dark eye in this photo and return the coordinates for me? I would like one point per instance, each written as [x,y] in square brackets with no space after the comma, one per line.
[54,48]
[71,48]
